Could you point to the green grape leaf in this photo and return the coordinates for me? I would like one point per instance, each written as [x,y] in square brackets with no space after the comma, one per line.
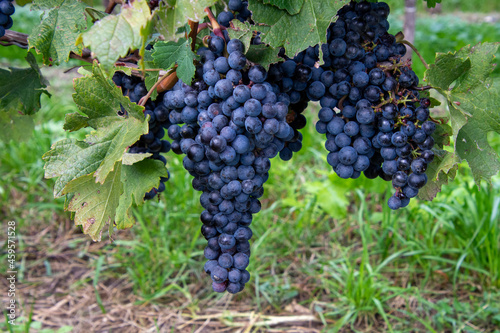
[472,143]
[442,135]
[165,24]
[137,179]
[75,121]
[167,54]
[242,31]
[291,6]
[176,13]
[70,159]
[15,126]
[441,171]
[474,103]
[434,102]
[21,88]
[263,55]
[56,34]
[113,36]
[99,100]
[95,204]
[95,14]
[23,3]
[432,3]
[116,136]
[447,68]
[295,32]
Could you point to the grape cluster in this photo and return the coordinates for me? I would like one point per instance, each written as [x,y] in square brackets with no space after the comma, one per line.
[229,123]
[382,128]
[6,10]
[151,142]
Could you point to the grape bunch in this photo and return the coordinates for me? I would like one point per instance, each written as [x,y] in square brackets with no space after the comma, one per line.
[6,11]
[229,123]
[382,128]
[151,142]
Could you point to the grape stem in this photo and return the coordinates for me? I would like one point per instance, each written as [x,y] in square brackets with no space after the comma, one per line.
[205,25]
[436,121]
[341,102]
[404,41]
[193,33]
[111,6]
[422,88]
[215,25]
[144,99]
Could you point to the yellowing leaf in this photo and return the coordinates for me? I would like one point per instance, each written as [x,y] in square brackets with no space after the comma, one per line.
[95,204]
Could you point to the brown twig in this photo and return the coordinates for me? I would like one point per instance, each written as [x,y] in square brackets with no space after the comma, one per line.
[202,26]
[416,52]
[111,6]
[192,34]
[215,25]
[14,38]
[422,88]
[144,99]
[21,40]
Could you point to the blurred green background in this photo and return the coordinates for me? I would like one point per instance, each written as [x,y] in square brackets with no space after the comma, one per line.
[327,244]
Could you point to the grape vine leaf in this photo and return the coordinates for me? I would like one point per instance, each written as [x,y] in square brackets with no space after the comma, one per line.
[242,31]
[263,55]
[441,171]
[295,32]
[175,14]
[291,6]
[23,3]
[21,88]
[432,3]
[55,36]
[99,100]
[442,135]
[95,204]
[167,54]
[129,159]
[15,126]
[474,104]
[113,36]
[95,14]
[137,179]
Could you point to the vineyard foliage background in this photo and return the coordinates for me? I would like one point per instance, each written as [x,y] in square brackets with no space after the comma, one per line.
[472,102]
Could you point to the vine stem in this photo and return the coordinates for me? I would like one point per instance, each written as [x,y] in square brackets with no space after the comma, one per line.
[144,99]
[111,6]
[215,25]
[404,41]
[193,33]
[422,88]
